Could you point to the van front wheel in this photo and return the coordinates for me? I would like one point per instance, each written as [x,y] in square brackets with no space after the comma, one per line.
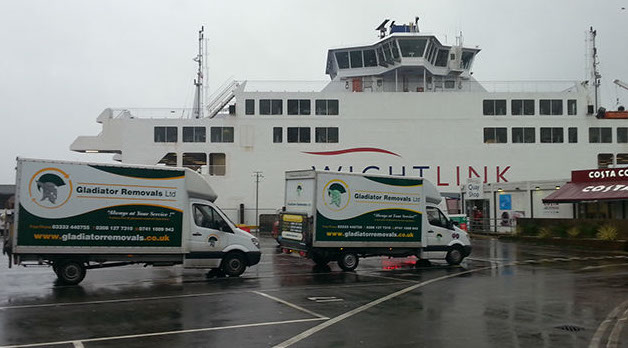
[454,256]
[234,264]
[348,261]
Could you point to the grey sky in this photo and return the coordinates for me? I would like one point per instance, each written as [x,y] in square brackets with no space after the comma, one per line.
[63,62]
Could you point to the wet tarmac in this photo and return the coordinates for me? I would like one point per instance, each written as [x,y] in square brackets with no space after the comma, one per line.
[507,294]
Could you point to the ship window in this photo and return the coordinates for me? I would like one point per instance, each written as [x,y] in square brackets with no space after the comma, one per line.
[298,106]
[193,134]
[277,134]
[343,60]
[572,107]
[170,160]
[387,53]
[441,57]
[551,135]
[194,160]
[622,135]
[466,59]
[494,106]
[271,107]
[222,134]
[573,135]
[217,164]
[523,135]
[600,135]
[522,106]
[395,49]
[412,47]
[249,107]
[356,59]
[165,134]
[450,84]
[495,135]
[432,51]
[276,106]
[604,160]
[380,56]
[370,58]
[550,107]
[264,106]
[298,134]
[327,106]
[622,158]
[326,134]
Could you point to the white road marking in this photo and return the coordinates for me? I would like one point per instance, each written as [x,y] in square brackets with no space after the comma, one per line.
[165,333]
[355,311]
[599,333]
[78,344]
[291,305]
[613,338]
[324,299]
[62,304]
[602,266]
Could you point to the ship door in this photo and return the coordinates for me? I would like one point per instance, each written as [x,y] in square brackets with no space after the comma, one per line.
[209,235]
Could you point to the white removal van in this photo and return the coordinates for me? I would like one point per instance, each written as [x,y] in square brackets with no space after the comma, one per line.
[76,216]
[344,216]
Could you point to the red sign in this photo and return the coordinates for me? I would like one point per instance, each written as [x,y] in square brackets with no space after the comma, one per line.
[610,174]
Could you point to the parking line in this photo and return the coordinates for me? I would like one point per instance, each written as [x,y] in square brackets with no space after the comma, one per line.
[353,312]
[599,333]
[613,338]
[291,305]
[165,333]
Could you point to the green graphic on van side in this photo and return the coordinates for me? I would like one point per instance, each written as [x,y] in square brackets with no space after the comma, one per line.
[144,173]
[386,225]
[118,226]
[395,181]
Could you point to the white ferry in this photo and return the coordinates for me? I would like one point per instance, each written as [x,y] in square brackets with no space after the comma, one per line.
[406,105]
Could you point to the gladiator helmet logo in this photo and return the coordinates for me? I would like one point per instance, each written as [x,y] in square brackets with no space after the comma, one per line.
[336,195]
[47,184]
[50,188]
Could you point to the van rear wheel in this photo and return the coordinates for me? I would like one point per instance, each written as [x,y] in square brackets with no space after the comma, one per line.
[348,261]
[320,260]
[70,272]
[233,264]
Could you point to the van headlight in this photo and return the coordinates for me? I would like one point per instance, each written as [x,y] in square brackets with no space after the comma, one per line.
[255,242]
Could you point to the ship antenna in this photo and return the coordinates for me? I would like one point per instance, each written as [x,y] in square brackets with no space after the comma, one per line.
[198,82]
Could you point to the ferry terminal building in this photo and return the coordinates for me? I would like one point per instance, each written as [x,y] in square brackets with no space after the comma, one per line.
[590,194]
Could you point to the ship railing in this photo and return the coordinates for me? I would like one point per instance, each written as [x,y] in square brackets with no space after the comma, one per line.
[147,113]
[369,84]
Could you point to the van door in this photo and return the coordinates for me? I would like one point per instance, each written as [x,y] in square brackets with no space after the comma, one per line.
[438,233]
[209,235]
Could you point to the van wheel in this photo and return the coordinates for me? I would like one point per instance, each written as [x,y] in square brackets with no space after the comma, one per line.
[70,272]
[233,264]
[320,260]
[348,261]
[454,256]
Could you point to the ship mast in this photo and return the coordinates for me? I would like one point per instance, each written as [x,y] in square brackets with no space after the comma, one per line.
[198,82]
[595,62]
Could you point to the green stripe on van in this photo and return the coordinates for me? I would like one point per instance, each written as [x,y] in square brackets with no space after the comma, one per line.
[396,181]
[144,173]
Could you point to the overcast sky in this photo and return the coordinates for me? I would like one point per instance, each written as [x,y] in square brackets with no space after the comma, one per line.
[63,62]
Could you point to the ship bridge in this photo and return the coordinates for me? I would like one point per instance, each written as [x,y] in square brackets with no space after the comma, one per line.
[402,61]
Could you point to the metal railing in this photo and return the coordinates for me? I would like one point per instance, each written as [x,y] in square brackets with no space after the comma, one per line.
[492,226]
